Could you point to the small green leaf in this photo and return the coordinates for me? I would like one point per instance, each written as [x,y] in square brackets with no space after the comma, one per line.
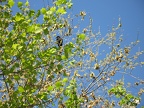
[69,4]
[71,45]
[30,28]
[43,10]
[19,17]
[59,67]
[50,88]
[44,96]
[65,80]
[81,36]
[31,13]
[16,77]
[19,4]
[38,30]
[38,13]
[20,89]
[14,46]
[58,84]
[61,10]
[60,2]
[11,3]
[46,31]
[68,49]
[66,52]
[53,9]
[27,3]
[63,57]
[52,50]
[20,47]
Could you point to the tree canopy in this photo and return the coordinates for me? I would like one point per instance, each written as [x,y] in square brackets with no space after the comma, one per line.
[87,70]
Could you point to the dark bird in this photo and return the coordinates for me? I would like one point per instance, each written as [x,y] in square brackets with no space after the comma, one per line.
[59,41]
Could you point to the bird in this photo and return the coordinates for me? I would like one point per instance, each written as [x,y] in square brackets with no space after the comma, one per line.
[59,41]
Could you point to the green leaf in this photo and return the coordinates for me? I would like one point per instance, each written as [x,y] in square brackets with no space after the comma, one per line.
[20,89]
[66,52]
[19,4]
[58,57]
[68,49]
[44,96]
[81,36]
[14,46]
[129,96]
[30,28]
[53,9]
[58,84]
[38,30]
[31,13]
[60,2]
[72,62]
[65,80]
[19,17]
[33,90]
[46,31]
[27,3]
[69,4]
[59,67]
[38,13]
[63,57]
[11,2]
[43,10]
[71,45]
[52,50]
[61,10]
[16,77]
[20,47]
[50,88]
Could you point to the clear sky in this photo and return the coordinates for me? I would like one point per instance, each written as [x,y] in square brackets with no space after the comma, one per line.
[105,13]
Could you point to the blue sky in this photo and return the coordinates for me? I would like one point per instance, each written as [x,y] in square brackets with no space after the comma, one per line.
[105,13]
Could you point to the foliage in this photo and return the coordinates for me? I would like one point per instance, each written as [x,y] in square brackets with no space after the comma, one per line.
[126,98]
[35,72]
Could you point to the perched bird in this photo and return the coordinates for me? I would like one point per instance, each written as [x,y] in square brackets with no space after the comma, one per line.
[59,41]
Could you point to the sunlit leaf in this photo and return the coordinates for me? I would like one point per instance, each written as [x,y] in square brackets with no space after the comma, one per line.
[61,10]
[14,46]
[31,28]
[65,80]
[21,89]
[53,9]
[38,30]
[60,2]
[16,77]
[50,88]
[63,57]
[81,36]
[27,3]
[58,84]
[19,17]
[43,10]
[11,2]
[69,4]
[52,50]
[19,4]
